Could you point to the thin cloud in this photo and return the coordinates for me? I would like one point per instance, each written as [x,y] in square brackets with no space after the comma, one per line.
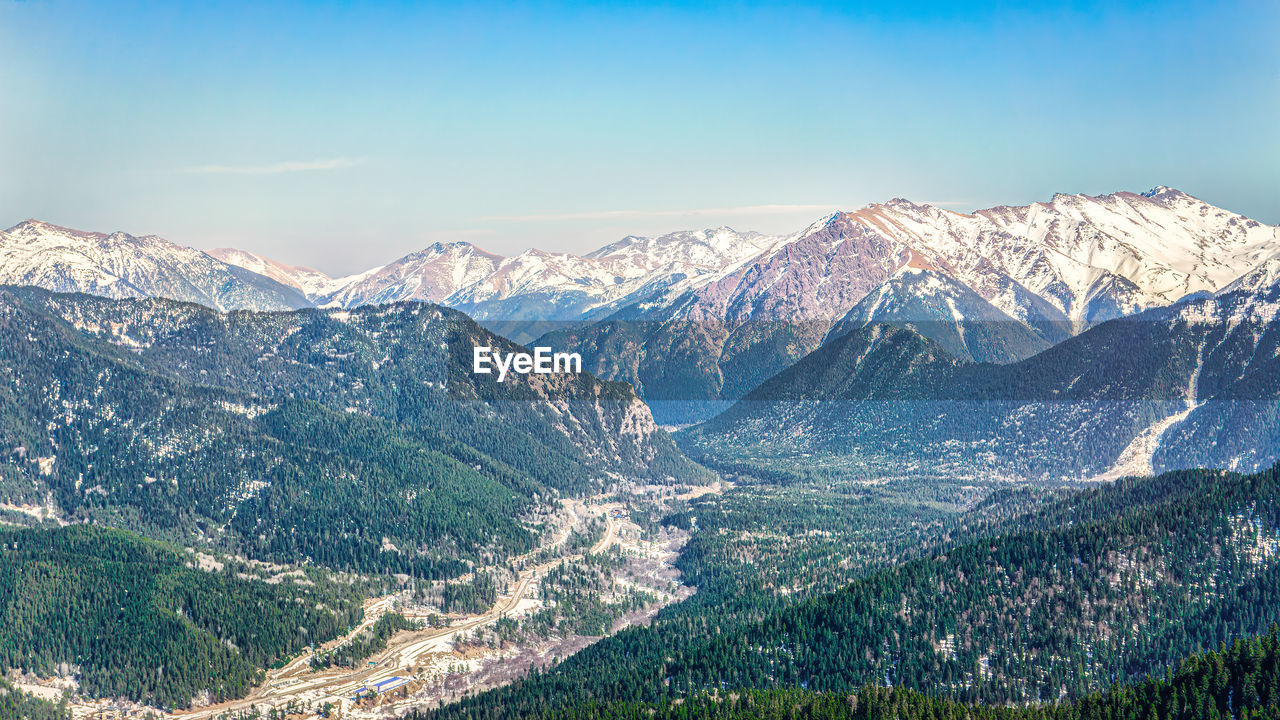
[288,166]
[615,214]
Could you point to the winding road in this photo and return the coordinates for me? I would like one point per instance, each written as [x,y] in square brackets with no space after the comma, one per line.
[296,680]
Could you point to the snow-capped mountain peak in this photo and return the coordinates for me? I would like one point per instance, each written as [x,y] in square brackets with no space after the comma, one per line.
[432,274]
[697,250]
[1165,193]
[311,282]
[122,265]
[1090,257]
[34,229]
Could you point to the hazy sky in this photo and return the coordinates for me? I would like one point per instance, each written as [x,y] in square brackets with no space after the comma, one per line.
[344,135]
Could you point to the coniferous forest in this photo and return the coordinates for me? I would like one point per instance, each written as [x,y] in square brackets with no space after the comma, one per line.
[139,622]
[1240,680]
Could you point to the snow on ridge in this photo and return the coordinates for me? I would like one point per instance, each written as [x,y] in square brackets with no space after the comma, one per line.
[1166,243]
[432,274]
[120,265]
[632,265]
[1081,255]
[309,281]
[1265,275]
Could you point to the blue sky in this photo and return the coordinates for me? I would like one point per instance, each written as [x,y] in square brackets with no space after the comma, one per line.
[344,135]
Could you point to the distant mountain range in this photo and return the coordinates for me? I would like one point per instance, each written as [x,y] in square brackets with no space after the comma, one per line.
[696,319]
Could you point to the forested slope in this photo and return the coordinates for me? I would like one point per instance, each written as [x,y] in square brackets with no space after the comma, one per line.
[1238,681]
[139,621]
[1097,598]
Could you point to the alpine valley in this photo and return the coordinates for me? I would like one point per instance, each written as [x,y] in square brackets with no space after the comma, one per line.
[904,462]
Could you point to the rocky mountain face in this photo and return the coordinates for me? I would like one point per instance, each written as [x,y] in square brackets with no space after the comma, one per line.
[271,432]
[692,346]
[1195,384]
[120,265]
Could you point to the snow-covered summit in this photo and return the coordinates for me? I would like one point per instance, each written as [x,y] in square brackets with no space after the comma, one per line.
[311,282]
[120,265]
[689,251]
[537,284]
[432,274]
[1089,257]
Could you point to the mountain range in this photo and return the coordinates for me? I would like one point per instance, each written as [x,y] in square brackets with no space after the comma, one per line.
[695,320]
[1052,269]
